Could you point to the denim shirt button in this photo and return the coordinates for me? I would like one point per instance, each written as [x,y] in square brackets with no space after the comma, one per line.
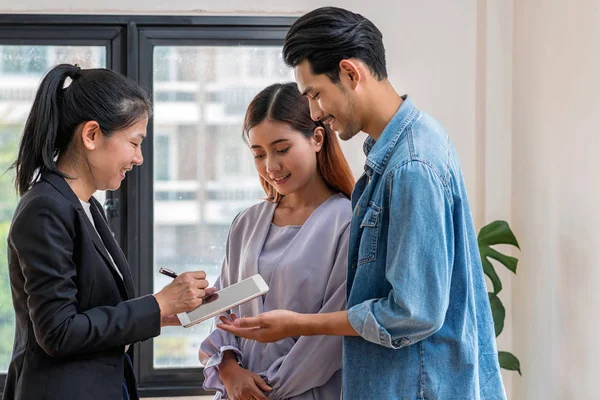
[402,342]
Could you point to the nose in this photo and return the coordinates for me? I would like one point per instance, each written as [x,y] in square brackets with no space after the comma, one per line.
[315,111]
[272,164]
[138,158]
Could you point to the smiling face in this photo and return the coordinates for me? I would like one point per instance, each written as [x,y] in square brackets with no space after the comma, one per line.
[331,103]
[111,157]
[284,157]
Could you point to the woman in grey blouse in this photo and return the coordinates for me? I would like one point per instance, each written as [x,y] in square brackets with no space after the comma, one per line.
[297,239]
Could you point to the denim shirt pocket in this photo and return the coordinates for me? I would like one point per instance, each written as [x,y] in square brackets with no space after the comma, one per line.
[367,250]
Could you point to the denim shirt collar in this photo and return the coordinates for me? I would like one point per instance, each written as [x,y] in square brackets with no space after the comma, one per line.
[378,151]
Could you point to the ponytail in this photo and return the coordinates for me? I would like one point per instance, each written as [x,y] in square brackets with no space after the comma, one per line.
[38,147]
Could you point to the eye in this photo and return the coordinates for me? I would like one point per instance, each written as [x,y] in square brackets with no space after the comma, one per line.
[283,151]
[136,144]
[316,96]
[258,156]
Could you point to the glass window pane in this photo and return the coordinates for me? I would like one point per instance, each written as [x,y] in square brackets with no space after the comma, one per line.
[203,171]
[21,69]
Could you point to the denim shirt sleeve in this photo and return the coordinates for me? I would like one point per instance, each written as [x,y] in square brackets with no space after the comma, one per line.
[419,260]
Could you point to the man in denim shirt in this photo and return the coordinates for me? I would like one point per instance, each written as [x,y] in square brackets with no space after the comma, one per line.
[418,324]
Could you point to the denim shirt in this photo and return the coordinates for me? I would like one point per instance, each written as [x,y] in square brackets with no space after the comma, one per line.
[416,289]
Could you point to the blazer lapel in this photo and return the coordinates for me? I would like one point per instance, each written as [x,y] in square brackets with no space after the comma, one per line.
[111,245]
[124,285]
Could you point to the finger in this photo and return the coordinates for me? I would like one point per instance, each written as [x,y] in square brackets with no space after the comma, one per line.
[233,316]
[193,304]
[260,382]
[210,291]
[248,322]
[226,320]
[257,394]
[196,274]
[201,284]
[251,334]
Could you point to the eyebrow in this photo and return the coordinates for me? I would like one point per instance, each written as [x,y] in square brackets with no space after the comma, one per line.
[308,89]
[272,143]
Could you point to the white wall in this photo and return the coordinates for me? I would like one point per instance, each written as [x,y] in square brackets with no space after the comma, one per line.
[556,192]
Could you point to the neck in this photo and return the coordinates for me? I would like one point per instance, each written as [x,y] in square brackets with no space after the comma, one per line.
[382,103]
[310,195]
[78,178]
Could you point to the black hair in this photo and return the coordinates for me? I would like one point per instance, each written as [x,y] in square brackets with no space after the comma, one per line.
[114,101]
[328,35]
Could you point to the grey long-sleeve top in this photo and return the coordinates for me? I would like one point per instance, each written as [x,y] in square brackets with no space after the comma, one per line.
[310,277]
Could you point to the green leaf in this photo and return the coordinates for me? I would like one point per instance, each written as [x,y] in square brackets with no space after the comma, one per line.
[497,232]
[498,313]
[509,362]
[508,261]
[489,270]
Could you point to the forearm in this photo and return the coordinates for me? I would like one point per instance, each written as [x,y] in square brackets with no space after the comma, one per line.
[335,323]
[97,329]
[228,365]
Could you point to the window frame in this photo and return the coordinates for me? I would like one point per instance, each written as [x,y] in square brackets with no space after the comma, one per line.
[129,43]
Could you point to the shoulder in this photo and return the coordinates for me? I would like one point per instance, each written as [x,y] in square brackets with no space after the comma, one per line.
[252,213]
[332,218]
[339,207]
[426,151]
[43,197]
[42,206]
[246,221]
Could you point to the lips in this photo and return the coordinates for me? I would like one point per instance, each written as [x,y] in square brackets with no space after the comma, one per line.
[124,171]
[329,121]
[281,180]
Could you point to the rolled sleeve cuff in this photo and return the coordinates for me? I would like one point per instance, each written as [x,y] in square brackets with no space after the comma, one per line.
[363,321]
[212,381]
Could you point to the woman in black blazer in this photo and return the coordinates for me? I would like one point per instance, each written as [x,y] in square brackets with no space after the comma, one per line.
[76,310]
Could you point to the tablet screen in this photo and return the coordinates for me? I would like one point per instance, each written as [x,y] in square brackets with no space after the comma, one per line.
[227,298]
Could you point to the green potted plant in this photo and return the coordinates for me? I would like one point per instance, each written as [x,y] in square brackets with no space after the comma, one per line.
[498,232]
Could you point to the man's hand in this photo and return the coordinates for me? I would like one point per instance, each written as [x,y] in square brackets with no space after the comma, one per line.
[266,327]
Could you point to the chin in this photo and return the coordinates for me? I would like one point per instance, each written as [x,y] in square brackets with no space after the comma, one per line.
[113,185]
[346,136]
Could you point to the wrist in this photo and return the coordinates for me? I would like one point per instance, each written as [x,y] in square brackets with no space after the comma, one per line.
[162,304]
[227,367]
[307,324]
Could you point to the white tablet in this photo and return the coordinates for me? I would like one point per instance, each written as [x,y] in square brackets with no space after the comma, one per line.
[225,299]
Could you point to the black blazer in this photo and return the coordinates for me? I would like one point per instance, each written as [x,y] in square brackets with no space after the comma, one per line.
[74,313]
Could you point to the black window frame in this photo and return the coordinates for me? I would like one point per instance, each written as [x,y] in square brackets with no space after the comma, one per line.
[129,41]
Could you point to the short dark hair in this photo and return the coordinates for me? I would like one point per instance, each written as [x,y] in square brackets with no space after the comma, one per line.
[328,35]
[114,101]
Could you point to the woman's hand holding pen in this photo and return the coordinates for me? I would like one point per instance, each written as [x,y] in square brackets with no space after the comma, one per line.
[184,294]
